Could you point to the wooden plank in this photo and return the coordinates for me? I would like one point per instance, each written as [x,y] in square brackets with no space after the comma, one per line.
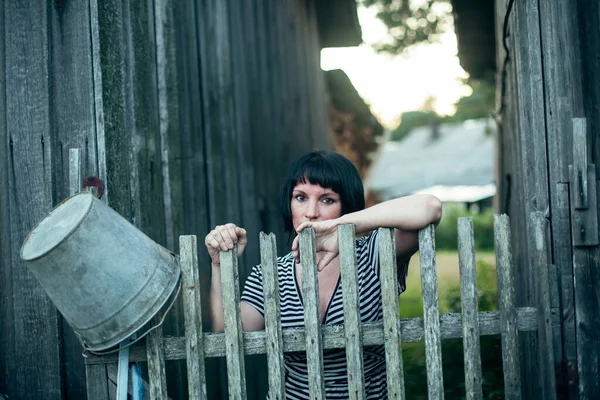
[352,322]
[74,171]
[156,361]
[6,295]
[334,336]
[469,304]
[391,314]
[506,305]
[534,159]
[192,308]
[274,338]
[97,381]
[98,104]
[546,351]
[234,344]
[312,314]
[431,313]
[563,260]
[34,363]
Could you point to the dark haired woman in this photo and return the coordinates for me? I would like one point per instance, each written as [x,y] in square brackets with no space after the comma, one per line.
[321,191]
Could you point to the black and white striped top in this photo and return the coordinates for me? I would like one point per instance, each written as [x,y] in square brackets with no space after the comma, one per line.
[334,361]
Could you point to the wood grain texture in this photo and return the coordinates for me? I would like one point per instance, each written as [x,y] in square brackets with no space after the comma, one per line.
[234,344]
[274,337]
[431,312]
[391,314]
[545,337]
[507,309]
[470,307]
[352,323]
[156,362]
[192,308]
[33,324]
[312,314]
[333,336]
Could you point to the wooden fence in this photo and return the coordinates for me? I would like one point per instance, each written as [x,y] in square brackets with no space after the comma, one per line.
[391,332]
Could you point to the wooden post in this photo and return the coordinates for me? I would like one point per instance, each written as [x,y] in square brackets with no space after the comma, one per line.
[508,315]
[312,314]
[431,314]
[192,308]
[469,304]
[391,314]
[234,344]
[268,259]
[352,326]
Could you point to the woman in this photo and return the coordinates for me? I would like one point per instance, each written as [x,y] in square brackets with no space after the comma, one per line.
[321,191]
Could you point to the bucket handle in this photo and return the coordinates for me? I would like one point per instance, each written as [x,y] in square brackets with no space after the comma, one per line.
[87,350]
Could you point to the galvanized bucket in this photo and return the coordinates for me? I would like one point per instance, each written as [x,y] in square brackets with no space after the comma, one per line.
[104,275]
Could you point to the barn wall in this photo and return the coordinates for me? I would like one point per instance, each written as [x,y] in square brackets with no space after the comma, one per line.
[546,81]
[190,111]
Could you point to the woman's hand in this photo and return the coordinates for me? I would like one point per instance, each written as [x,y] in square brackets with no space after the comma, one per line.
[223,238]
[326,241]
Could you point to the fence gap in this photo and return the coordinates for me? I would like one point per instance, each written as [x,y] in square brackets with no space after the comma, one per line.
[506,304]
[312,314]
[234,344]
[352,326]
[192,309]
[469,304]
[388,270]
[431,314]
[274,338]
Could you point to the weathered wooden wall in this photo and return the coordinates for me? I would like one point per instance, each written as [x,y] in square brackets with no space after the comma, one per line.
[189,111]
[548,79]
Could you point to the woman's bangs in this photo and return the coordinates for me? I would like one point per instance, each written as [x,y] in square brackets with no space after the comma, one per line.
[319,173]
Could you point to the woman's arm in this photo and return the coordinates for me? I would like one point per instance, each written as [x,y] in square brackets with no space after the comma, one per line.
[406,214]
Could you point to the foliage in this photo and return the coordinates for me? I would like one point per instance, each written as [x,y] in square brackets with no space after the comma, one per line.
[446,235]
[479,104]
[415,373]
[412,120]
[410,21]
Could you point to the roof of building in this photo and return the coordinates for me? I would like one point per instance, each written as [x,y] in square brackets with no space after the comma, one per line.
[461,155]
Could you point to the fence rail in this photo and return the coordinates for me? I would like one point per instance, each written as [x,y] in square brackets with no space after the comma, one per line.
[391,332]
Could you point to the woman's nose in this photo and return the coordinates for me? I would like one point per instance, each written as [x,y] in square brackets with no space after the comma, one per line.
[312,210]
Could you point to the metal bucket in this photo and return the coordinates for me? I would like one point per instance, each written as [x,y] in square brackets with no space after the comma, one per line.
[104,275]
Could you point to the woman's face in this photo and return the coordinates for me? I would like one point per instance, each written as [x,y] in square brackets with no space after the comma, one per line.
[313,203]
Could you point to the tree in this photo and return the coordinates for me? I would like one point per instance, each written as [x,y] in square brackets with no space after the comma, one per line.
[410,21]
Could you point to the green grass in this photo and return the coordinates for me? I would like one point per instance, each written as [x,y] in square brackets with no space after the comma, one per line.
[413,354]
[448,276]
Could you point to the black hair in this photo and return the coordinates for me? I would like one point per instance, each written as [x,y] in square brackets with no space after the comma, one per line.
[329,170]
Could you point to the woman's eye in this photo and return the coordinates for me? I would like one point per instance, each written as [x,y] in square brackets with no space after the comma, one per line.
[328,201]
[299,197]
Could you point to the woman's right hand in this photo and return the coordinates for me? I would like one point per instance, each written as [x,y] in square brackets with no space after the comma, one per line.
[222,238]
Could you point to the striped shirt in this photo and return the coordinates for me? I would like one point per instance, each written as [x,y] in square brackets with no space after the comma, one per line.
[334,360]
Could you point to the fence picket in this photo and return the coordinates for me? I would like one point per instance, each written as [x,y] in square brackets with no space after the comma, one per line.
[391,314]
[431,314]
[274,338]
[192,308]
[156,361]
[508,315]
[469,305]
[312,314]
[352,326]
[234,344]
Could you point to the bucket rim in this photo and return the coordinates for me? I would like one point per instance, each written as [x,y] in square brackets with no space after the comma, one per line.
[67,236]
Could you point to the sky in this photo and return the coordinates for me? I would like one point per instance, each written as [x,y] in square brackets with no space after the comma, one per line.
[394,84]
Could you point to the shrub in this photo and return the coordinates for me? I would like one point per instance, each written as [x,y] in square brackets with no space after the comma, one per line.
[446,236]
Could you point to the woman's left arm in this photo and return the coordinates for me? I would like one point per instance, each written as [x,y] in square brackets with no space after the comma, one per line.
[406,214]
